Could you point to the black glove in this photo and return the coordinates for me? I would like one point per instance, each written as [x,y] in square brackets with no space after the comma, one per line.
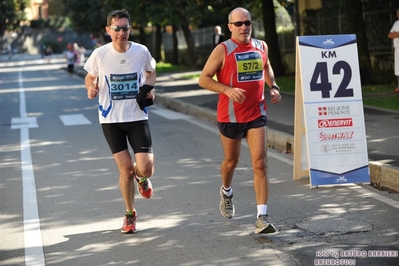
[141,97]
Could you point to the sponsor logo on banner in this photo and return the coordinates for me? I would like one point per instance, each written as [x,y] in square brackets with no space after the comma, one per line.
[322,111]
[341,179]
[336,136]
[328,42]
[340,148]
[336,122]
[343,147]
[334,110]
[325,148]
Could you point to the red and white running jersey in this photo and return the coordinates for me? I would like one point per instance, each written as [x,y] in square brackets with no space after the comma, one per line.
[243,68]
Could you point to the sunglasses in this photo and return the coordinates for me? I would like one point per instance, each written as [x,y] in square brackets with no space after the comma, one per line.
[118,28]
[239,23]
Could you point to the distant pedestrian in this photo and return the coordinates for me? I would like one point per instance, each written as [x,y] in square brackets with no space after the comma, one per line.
[394,35]
[71,57]
[43,50]
[9,51]
[94,41]
[242,67]
[48,53]
[81,53]
[218,36]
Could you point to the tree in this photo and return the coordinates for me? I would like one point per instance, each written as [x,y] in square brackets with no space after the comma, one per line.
[11,14]
[185,14]
[354,16]
[7,13]
[266,8]
[87,16]
[175,53]
[271,38]
[158,43]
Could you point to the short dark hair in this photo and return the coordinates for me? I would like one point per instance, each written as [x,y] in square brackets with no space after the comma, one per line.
[117,14]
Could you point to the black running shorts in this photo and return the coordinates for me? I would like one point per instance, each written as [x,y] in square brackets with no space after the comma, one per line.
[137,133]
[70,68]
[239,130]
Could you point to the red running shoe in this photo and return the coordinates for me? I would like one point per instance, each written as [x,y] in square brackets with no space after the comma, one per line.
[144,187]
[129,223]
[397,90]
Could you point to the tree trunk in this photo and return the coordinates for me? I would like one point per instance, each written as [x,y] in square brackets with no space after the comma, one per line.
[175,53]
[143,37]
[188,36]
[354,17]
[158,42]
[269,24]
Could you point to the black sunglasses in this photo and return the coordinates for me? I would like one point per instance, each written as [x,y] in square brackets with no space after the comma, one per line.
[118,28]
[239,23]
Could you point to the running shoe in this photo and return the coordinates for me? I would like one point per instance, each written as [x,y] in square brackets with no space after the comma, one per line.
[226,206]
[129,223]
[263,225]
[397,90]
[144,187]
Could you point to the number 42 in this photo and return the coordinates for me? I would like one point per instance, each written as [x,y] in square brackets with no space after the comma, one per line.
[325,86]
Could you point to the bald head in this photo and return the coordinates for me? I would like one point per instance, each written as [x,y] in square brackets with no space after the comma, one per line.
[239,11]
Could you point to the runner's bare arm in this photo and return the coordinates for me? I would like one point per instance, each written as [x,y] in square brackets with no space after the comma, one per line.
[213,65]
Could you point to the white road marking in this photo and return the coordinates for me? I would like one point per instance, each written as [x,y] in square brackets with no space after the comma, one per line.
[73,120]
[168,114]
[376,196]
[23,122]
[32,233]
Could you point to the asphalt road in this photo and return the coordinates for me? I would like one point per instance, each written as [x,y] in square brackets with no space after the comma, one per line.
[60,203]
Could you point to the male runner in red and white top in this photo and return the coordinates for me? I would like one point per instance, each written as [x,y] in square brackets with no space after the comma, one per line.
[242,67]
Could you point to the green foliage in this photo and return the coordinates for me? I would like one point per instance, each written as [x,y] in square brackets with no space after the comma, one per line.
[55,22]
[323,21]
[169,68]
[11,14]
[217,11]
[388,102]
[286,83]
[7,14]
[56,46]
[87,16]
[57,7]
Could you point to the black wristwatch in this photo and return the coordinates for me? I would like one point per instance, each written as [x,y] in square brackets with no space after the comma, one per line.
[275,87]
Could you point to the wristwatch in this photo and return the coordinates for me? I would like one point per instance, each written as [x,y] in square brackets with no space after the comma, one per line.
[275,87]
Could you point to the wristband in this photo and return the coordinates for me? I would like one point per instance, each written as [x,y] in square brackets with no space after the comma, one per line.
[275,87]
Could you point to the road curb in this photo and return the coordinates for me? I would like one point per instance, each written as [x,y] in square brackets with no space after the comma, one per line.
[384,177]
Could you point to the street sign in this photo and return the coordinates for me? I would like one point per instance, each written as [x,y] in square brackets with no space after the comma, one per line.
[329,112]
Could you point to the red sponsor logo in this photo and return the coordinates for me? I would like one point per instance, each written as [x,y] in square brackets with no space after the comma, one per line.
[322,111]
[334,110]
[336,136]
[336,122]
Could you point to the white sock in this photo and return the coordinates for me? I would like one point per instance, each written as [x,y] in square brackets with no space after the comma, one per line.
[262,209]
[227,191]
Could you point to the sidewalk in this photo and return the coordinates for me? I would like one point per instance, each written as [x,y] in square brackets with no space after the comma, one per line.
[382,125]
